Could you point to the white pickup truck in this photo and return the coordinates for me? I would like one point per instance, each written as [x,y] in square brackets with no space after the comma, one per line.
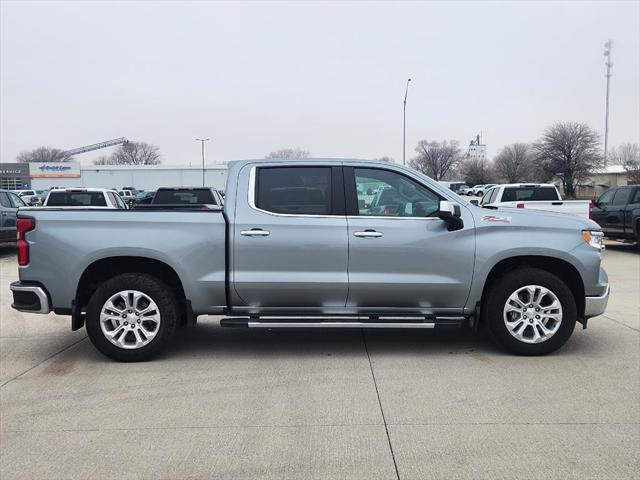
[535,196]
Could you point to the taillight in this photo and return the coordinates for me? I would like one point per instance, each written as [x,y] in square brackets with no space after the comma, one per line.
[590,210]
[520,205]
[24,225]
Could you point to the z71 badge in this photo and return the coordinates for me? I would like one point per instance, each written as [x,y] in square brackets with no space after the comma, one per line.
[495,218]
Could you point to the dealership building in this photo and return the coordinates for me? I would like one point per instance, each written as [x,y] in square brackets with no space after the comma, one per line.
[42,176]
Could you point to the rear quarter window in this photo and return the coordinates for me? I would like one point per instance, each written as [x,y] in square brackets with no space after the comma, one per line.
[517,194]
[76,199]
[184,197]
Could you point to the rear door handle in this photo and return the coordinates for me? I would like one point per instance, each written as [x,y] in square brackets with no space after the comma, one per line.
[368,234]
[255,232]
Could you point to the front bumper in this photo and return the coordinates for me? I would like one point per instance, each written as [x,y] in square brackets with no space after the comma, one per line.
[29,298]
[594,306]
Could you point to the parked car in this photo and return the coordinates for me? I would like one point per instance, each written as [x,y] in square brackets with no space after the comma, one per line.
[128,196]
[187,196]
[94,198]
[475,189]
[294,248]
[617,211]
[143,198]
[25,195]
[454,186]
[464,190]
[537,196]
[9,205]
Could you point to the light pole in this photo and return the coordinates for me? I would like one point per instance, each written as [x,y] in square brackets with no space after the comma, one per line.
[607,53]
[404,123]
[202,140]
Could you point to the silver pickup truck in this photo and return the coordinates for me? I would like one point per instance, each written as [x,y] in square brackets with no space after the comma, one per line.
[313,243]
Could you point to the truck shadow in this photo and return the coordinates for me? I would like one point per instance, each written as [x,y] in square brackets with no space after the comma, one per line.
[7,249]
[209,338]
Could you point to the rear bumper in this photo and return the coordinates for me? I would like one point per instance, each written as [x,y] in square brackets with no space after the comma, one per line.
[29,298]
[594,306]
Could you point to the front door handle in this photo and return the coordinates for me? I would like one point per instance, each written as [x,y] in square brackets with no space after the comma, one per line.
[368,234]
[255,232]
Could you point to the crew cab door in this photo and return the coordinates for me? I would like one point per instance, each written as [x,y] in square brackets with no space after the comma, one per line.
[290,237]
[615,211]
[401,255]
[9,203]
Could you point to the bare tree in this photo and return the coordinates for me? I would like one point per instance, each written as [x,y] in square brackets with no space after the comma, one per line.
[477,172]
[132,153]
[43,154]
[288,153]
[436,159]
[513,163]
[628,155]
[571,151]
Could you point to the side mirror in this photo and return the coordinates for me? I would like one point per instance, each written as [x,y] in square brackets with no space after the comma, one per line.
[474,201]
[450,213]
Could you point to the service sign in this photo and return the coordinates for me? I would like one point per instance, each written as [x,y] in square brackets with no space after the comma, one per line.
[54,170]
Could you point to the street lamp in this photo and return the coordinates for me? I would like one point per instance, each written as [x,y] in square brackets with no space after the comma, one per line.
[404,124]
[202,140]
[607,53]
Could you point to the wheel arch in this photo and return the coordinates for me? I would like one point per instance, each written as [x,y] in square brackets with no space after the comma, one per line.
[104,268]
[560,268]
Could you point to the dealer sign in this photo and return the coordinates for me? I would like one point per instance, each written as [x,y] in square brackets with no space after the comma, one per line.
[54,170]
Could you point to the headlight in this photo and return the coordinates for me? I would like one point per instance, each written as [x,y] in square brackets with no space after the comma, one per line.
[594,238]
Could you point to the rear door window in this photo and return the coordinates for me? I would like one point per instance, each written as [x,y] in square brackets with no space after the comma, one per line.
[294,190]
[621,196]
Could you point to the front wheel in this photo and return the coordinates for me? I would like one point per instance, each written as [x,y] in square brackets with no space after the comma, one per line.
[530,312]
[131,317]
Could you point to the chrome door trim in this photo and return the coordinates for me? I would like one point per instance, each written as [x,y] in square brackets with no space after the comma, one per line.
[251,194]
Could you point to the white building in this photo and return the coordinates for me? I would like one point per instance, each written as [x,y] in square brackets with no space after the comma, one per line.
[142,177]
[477,150]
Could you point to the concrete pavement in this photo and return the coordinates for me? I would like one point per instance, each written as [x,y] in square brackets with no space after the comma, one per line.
[225,403]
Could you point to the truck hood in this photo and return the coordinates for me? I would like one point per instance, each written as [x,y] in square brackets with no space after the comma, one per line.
[534,218]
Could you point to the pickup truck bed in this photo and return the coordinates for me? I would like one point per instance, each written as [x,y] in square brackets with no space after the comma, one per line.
[363,244]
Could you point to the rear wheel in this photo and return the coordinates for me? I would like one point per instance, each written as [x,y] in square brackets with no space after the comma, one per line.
[530,312]
[131,317]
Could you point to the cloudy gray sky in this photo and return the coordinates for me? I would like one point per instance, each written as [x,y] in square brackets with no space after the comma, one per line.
[324,76]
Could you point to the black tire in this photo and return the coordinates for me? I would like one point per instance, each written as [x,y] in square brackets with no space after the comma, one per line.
[151,286]
[498,294]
